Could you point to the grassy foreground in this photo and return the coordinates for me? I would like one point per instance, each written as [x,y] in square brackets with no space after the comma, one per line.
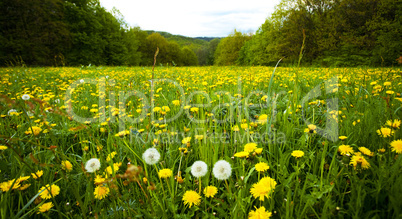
[105,142]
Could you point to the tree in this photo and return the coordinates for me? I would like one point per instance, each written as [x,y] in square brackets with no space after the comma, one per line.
[189,58]
[228,49]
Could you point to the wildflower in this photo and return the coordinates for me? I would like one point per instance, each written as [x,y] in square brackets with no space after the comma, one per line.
[25,97]
[157,109]
[342,138]
[381,150]
[115,168]
[186,140]
[165,108]
[194,109]
[111,156]
[235,128]
[12,112]
[199,137]
[66,165]
[258,150]
[3,147]
[394,124]
[261,167]
[99,179]
[297,153]
[250,147]
[191,198]
[263,188]
[151,156]
[385,132]
[241,154]
[176,102]
[357,159]
[259,213]
[5,186]
[345,150]
[310,129]
[45,207]
[199,169]
[396,146]
[46,192]
[38,174]
[101,192]
[210,191]
[165,173]
[222,170]
[366,151]
[262,119]
[92,165]
[35,130]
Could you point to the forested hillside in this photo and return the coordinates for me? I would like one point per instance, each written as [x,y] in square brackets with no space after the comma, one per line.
[305,32]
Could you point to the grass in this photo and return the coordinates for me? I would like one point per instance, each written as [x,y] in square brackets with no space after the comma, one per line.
[108,116]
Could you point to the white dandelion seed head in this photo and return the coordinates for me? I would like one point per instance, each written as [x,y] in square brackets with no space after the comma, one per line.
[222,170]
[151,156]
[82,81]
[57,100]
[92,165]
[25,97]
[199,169]
[11,111]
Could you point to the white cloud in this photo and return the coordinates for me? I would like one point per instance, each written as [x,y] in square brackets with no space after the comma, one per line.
[189,18]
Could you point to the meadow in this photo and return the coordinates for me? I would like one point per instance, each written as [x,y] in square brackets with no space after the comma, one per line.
[200,142]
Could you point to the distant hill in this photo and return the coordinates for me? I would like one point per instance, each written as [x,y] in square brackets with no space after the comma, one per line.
[193,43]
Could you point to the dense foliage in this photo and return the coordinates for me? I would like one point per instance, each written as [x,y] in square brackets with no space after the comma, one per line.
[307,32]
[78,32]
[329,33]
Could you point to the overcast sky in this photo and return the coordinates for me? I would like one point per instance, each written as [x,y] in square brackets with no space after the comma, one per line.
[211,18]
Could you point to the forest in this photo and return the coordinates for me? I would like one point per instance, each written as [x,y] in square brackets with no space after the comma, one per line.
[304,32]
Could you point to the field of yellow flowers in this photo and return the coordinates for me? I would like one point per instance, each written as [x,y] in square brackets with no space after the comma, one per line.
[200,142]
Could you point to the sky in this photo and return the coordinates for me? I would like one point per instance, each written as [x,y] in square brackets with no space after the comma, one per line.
[207,18]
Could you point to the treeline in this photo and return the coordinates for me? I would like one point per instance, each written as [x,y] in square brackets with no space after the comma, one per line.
[321,33]
[79,32]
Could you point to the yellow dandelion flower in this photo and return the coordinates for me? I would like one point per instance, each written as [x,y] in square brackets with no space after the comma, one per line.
[394,124]
[5,186]
[359,160]
[396,146]
[366,151]
[210,191]
[176,102]
[250,147]
[48,191]
[36,130]
[191,198]
[241,154]
[38,174]
[45,207]
[66,165]
[342,138]
[345,150]
[297,153]
[3,147]
[262,119]
[381,150]
[111,156]
[99,179]
[385,132]
[259,213]
[261,167]
[263,188]
[101,192]
[116,167]
[258,150]
[165,173]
